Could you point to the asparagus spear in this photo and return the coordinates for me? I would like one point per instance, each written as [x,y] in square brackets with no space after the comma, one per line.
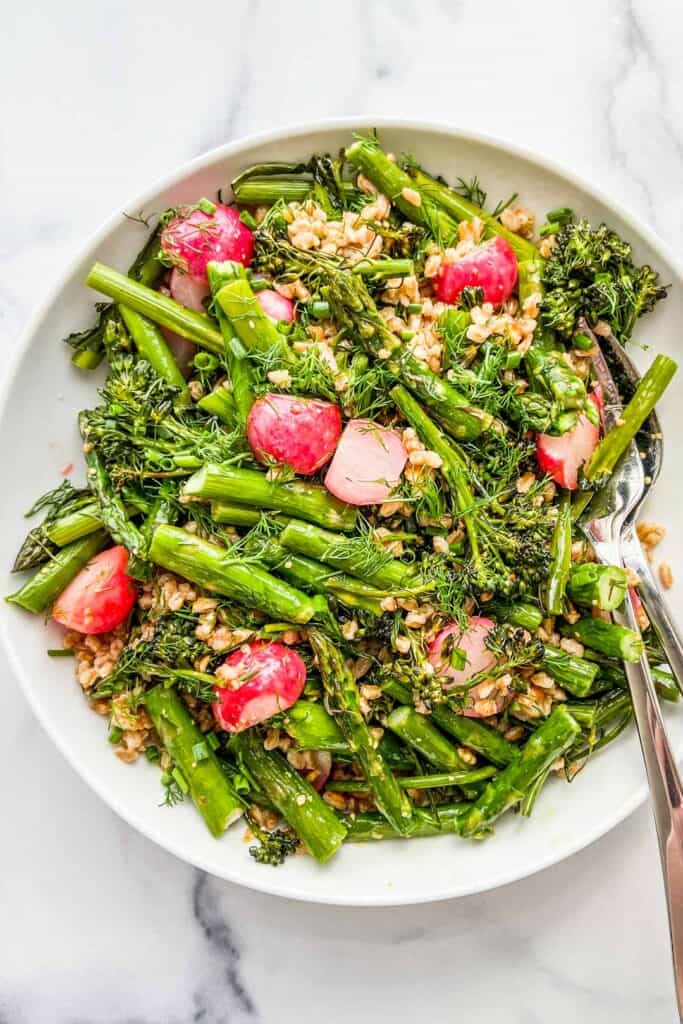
[612,640]
[613,445]
[112,509]
[560,558]
[250,487]
[90,344]
[339,552]
[399,187]
[158,308]
[45,586]
[574,674]
[454,470]
[311,575]
[468,731]
[444,819]
[220,403]
[266,190]
[539,752]
[74,525]
[344,700]
[460,208]
[436,781]
[234,515]
[213,568]
[313,728]
[235,298]
[353,308]
[521,613]
[418,732]
[313,821]
[239,367]
[593,585]
[152,346]
[211,793]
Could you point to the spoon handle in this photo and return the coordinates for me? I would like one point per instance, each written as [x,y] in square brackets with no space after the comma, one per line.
[666,792]
[655,605]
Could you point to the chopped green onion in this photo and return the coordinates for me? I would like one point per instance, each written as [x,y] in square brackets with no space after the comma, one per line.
[582,342]
[206,206]
[60,652]
[249,220]
[152,753]
[200,751]
[414,307]
[115,734]
[205,361]
[213,740]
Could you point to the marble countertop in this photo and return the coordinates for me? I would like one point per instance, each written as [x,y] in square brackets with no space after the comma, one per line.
[97,925]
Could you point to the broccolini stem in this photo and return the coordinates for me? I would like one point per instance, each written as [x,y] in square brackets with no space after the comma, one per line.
[560,557]
[250,487]
[435,781]
[152,346]
[211,793]
[158,308]
[319,829]
[613,445]
[45,586]
[521,613]
[344,699]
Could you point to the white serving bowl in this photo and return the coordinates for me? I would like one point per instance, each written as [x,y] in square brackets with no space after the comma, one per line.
[38,422]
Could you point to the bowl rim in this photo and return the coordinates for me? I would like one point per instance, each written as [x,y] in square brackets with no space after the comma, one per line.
[272,885]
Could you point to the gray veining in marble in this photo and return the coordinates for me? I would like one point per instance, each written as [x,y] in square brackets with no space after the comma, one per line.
[97,925]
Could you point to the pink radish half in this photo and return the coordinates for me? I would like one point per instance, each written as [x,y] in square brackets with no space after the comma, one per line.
[299,432]
[367,464]
[472,641]
[563,455]
[276,306]
[492,267]
[188,291]
[263,679]
[193,238]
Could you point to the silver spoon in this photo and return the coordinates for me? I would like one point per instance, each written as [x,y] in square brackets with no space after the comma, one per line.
[602,523]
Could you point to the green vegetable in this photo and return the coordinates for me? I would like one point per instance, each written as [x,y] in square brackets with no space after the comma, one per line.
[342,694]
[607,637]
[417,731]
[313,821]
[593,585]
[43,589]
[211,793]
[250,487]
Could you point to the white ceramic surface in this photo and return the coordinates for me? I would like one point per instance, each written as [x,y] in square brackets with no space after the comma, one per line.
[38,412]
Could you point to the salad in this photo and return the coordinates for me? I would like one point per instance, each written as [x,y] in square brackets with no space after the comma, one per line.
[324,571]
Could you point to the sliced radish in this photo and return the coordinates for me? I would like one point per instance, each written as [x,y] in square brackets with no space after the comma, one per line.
[100,597]
[299,432]
[563,455]
[492,267]
[193,238]
[188,291]
[183,350]
[262,680]
[276,306]
[367,465]
[319,775]
[472,641]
